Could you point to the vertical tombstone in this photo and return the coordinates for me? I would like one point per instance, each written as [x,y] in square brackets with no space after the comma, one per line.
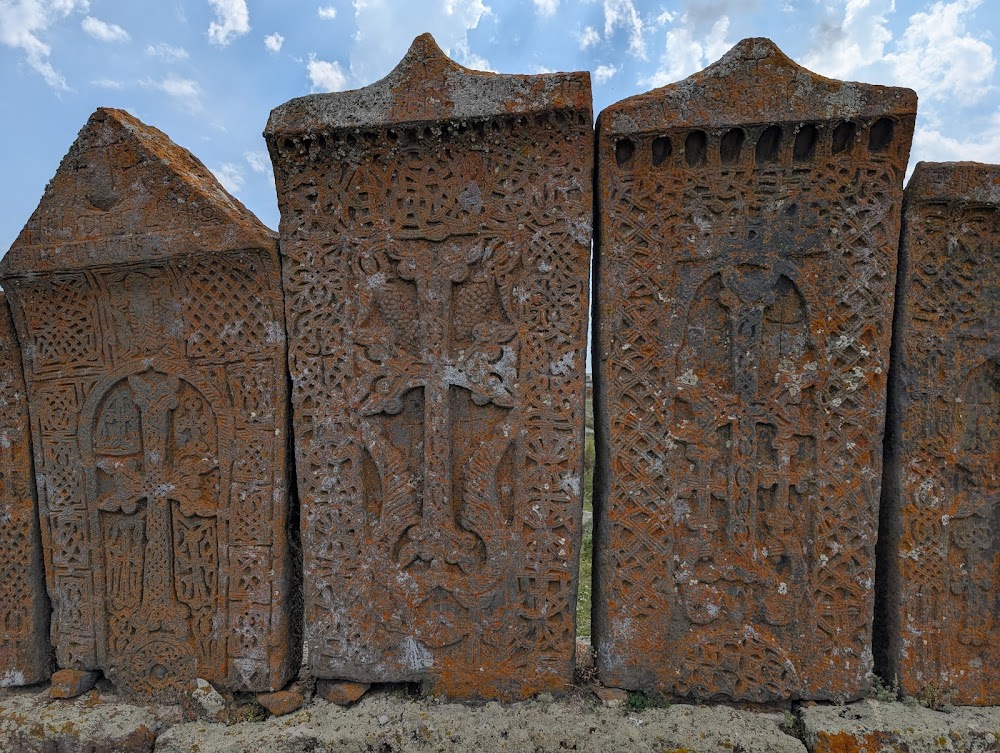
[147,301]
[941,504]
[435,230]
[749,219]
[24,606]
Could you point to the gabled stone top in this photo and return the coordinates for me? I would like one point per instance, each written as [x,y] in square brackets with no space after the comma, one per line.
[754,82]
[425,86]
[972,182]
[126,193]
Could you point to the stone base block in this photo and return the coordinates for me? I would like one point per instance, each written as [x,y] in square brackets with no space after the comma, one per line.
[880,727]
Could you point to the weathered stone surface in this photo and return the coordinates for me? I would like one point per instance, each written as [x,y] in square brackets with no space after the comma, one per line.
[282,702]
[341,693]
[381,722]
[878,727]
[749,219]
[435,231]
[69,683]
[28,724]
[24,605]
[148,306]
[941,507]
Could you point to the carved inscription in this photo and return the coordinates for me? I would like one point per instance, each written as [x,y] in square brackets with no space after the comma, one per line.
[159,424]
[943,470]
[744,313]
[436,295]
[24,618]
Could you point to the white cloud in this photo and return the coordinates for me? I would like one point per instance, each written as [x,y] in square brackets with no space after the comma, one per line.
[107,83]
[932,145]
[22,24]
[469,59]
[326,76]
[258,162]
[937,57]
[588,37]
[840,48]
[686,52]
[546,7]
[186,91]
[103,31]
[604,73]
[230,176]
[167,52]
[327,12]
[232,19]
[623,13]
[273,42]
[386,28]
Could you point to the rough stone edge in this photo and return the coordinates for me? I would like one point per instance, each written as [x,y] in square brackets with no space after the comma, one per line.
[25,258]
[682,104]
[464,94]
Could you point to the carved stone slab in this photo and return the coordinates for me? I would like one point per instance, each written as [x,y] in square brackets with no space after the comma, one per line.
[942,492]
[749,219]
[435,230]
[24,606]
[147,301]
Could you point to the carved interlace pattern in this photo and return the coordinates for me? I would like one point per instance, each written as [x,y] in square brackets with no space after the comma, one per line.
[744,325]
[23,622]
[949,451]
[436,287]
[155,386]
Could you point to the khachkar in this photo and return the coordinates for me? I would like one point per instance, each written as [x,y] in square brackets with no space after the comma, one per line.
[24,606]
[941,505]
[148,305]
[749,220]
[435,230]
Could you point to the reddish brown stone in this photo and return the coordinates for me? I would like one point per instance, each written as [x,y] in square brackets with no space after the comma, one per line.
[341,693]
[749,222]
[281,703]
[69,683]
[24,606]
[436,230]
[148,306]
[611,696]
[942,489]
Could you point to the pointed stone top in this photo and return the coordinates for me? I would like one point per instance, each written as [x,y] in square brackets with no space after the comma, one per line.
[124,193]
[426,86]
[971,182]
[755,82]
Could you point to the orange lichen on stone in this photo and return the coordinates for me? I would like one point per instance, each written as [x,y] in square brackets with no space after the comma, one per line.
[148,307]
[749,219]
[941,506]
[24,605]
[435,228]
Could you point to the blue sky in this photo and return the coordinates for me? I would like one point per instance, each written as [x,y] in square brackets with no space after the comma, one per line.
[207,72]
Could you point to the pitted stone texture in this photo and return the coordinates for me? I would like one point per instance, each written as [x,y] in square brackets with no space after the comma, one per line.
[69,683]
[941,505]
[749,220]
[385,723]
[436,270]
[878,727]
[24,607]
[29,724]
[148,305]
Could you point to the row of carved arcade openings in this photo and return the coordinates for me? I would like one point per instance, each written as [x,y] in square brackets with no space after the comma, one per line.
[786,144]
[341,142]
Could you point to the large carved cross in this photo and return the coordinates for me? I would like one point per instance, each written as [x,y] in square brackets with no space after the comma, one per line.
[487,369]
[154,482]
